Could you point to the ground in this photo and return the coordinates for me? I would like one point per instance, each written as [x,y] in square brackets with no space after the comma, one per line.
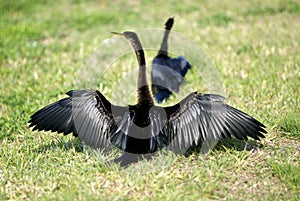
[254,46]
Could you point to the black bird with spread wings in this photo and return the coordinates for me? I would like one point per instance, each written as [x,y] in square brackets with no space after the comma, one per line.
[167,73]
[144,127]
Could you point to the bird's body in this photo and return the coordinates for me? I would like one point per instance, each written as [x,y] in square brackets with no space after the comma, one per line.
[144,128]
[167,73]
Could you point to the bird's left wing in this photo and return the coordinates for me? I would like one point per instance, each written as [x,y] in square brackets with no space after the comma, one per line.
[85,113]
[204,117]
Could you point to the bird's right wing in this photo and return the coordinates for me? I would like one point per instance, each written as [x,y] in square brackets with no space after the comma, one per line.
[85,113]
[205,117]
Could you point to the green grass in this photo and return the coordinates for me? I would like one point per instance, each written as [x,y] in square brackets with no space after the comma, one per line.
[255,46]
[290,125]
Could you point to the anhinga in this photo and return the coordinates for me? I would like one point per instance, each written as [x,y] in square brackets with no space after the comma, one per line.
[167,73]
[144,128]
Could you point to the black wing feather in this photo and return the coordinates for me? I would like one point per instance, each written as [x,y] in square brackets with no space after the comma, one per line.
[86,114]
[202,117]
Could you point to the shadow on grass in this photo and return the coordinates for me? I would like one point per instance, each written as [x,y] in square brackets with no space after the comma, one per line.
[232,144]
[64,145]
[239,145]
[127,159]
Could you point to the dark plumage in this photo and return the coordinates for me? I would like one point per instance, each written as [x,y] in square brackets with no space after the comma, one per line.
[167,73]
[144,128]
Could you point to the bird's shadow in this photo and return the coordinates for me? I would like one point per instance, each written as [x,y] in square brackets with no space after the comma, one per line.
[71,144]
[228,144]
[127,159]
[238,145]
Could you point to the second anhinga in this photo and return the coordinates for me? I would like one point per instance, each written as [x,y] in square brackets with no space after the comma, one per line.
[167,73]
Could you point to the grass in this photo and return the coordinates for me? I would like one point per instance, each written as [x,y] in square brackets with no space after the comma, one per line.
[255,46]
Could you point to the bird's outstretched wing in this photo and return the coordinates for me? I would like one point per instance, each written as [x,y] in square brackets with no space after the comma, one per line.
[203,117]
[85,113]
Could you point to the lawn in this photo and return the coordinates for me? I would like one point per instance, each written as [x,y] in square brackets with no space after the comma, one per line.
[45,48]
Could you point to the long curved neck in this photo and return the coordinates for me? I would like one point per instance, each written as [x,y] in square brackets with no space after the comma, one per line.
[144,94]
[163,50]
[142,77]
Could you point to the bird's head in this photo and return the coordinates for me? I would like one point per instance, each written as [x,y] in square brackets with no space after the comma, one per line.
[132,38]
[127,34]
[169,23]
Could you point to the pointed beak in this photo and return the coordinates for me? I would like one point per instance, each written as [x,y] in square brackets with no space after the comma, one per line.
[117,33]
